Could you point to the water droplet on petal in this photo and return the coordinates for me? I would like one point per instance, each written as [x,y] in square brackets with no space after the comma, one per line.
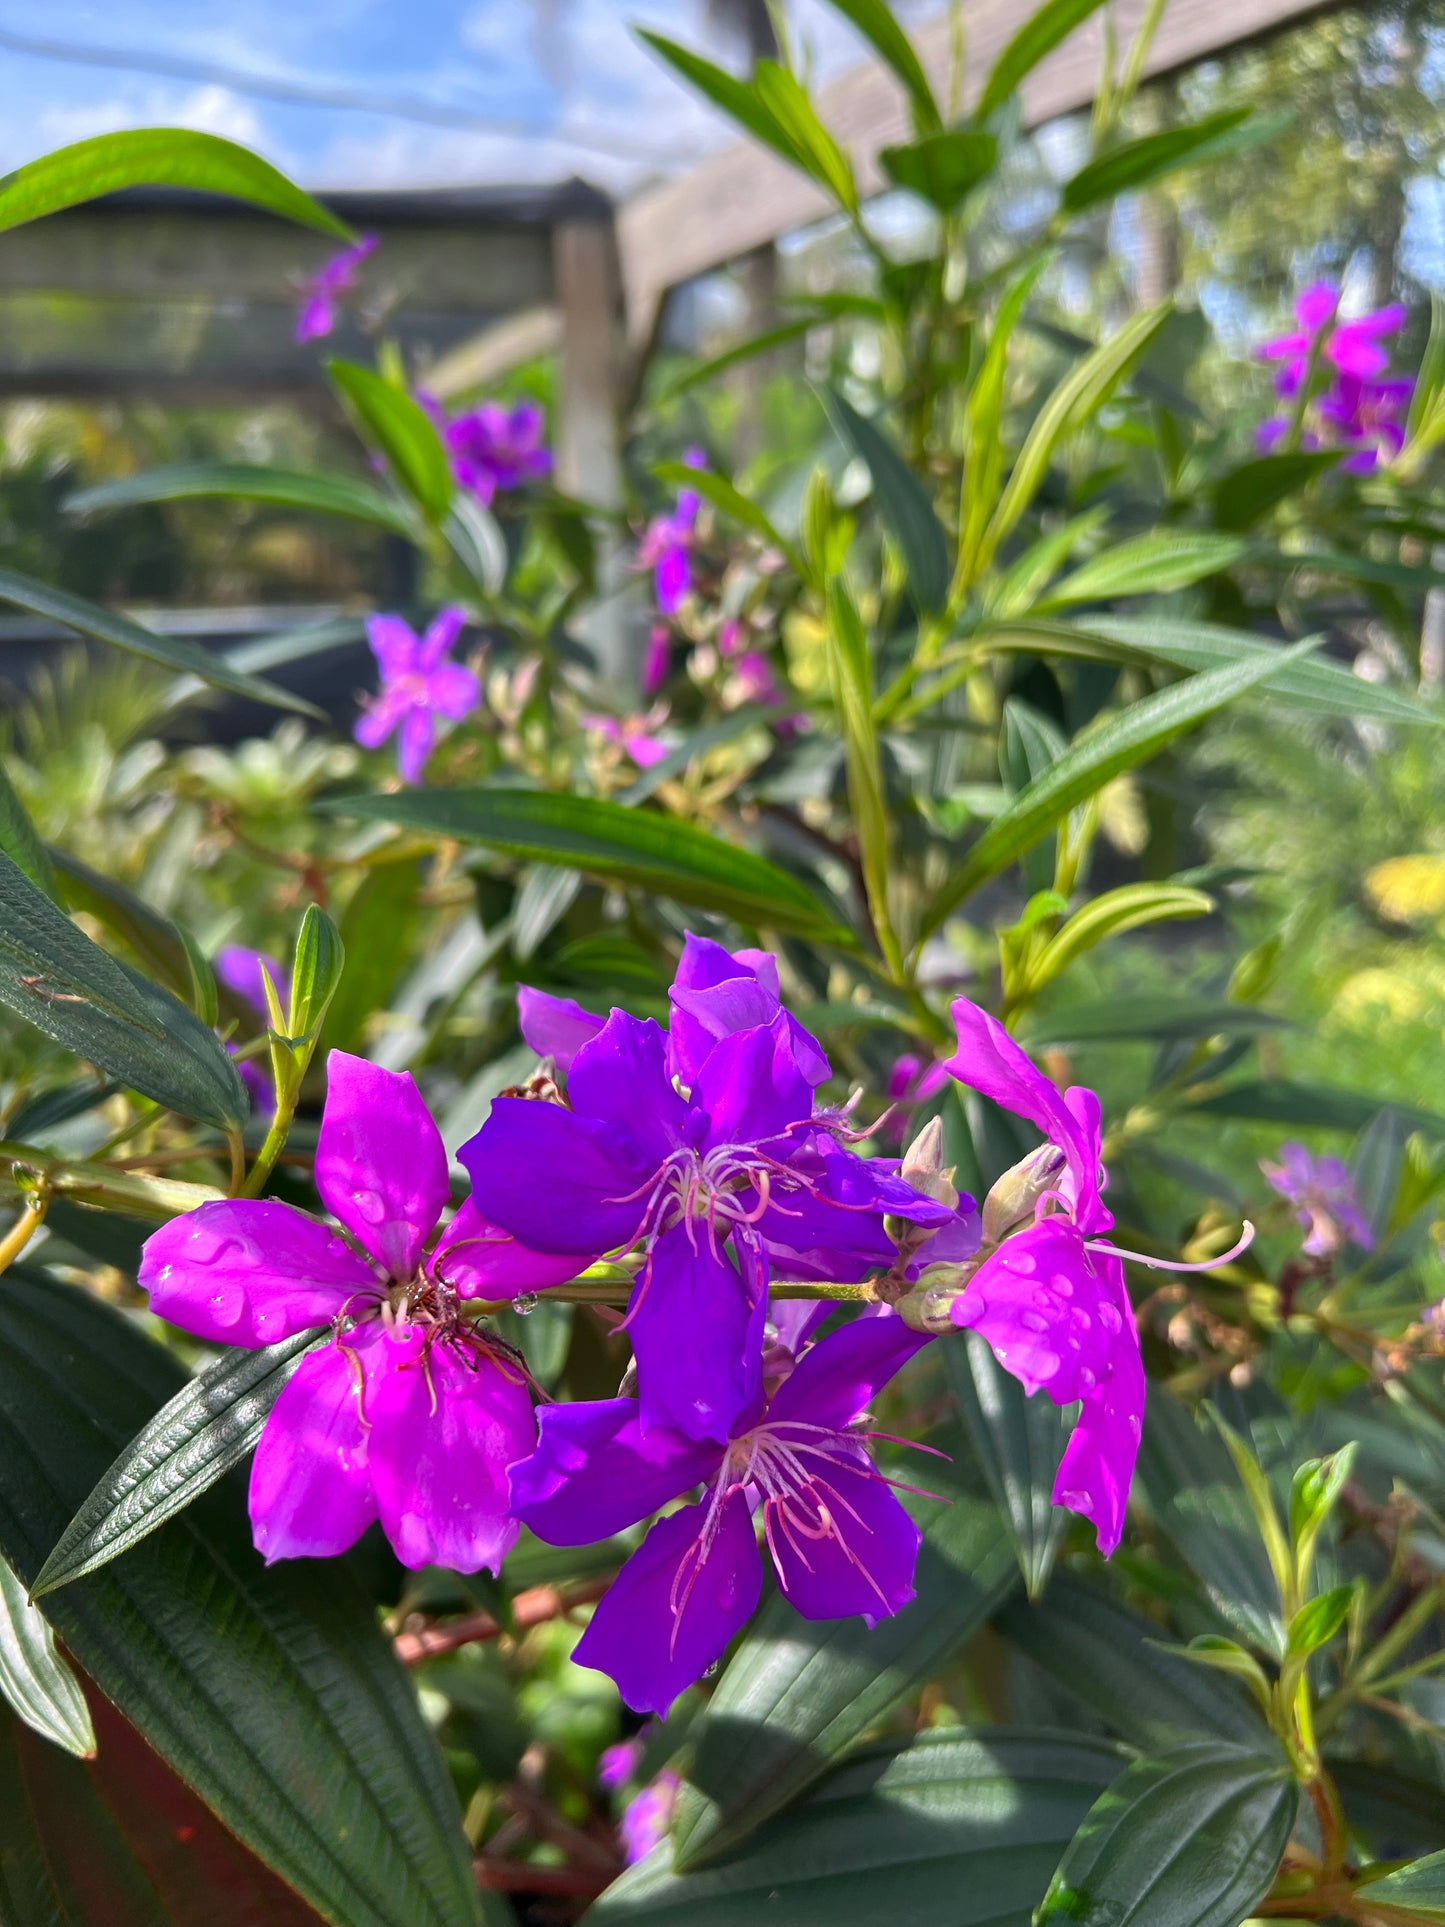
[1087,1379]
[525,1303]
[369,1205]
[1110,1318]
[1033,1321]
[1078,1502]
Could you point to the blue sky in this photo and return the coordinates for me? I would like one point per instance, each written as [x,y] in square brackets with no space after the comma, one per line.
[567,85]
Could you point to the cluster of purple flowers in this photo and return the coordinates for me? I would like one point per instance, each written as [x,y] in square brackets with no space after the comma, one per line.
[1332,373]
[494,449]
[1327,1205]
[703,1159]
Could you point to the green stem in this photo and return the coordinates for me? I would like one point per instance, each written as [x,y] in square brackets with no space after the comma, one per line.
[32,1216]
[137,1197]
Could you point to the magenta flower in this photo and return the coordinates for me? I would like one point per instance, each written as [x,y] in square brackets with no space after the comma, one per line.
[418,685]
[648,1815]
[840,1542]
[666,545]
[239,969]
[1352,347]
[703,1145]
[1368,417]
[1356,410]
[658,659]
[1323,1192]
[322,294]
[1050,1300]
[494,449]
[410,1413]
[634,734]
[913,1080]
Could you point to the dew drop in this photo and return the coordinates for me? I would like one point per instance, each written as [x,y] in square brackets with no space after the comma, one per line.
[1032,1321]
[1087,1379]
[525,1303]
[370,1205]
[1110,1318]
[1078,1502]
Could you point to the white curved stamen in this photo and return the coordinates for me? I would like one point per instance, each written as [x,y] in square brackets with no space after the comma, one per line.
[1246,1239]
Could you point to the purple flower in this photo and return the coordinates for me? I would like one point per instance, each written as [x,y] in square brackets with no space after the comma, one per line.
[911,1081]
[840,1542]
[633,734]
[239,969]
[617,1764]
[410,1414]
[494,449]
[1323,1192]
[646,1818]
[1051,1302]
[322,293]
[1356,410]
[418,685]
[658,658]
[666,542]
[703,1145]
[1367,416]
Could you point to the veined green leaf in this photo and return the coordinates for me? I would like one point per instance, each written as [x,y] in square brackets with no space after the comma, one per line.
[35,1681]
[286,488]
[210,1425]
[1417,1890]
[402,432]
[874,20]
[982,427]
[1134,164]
[611,841]
[53,976]
[944,168]
[1317,1622]
[1147,565]
[89,619]
[1018,1441]
[271,1691]
[902,502]
[729,501]
[156,157]
[952,1825]
[1191,1838]
[1244,494]
[19,840]
[1107,1656]
[797,1693]
[786,99]
[1078,397]
[1124,742]
[1039,35]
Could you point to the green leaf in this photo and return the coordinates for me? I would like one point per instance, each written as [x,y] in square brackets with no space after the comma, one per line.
[35,1681]
[1106,1656]
[1276,1100]
[316,971]
[1418,1889]
[377,928]
[1314,1489]
[1227,1656]
[402,432]
[759,344]
[19,841]
[156,157]
[57,979]
[1125,169]
[1078,397]
[738,99]
[1243,494]
[797,1693]
[786,99]
[1145,1019]
[729,501]
[903,504]
[950,1826]
[1190,1839]
[1150,564]
[942,169]
[1130,907]
[210,1425]
[1018,1441]
[874,20]
[247,482]
[272,1692]
[1038,36]
[1317,1621]
[851,675]
[89,619]
[983,426]
[1127,740]
[610,841]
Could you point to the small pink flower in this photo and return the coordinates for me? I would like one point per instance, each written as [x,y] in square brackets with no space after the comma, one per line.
[418,685]
[647,1818]
[1323,1192]
[322,294]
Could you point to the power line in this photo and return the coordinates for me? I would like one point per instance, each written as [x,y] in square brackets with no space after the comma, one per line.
[433,113]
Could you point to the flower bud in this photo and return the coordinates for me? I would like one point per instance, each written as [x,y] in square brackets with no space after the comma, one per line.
[929,1306]
[924,1169]
[1016,1194]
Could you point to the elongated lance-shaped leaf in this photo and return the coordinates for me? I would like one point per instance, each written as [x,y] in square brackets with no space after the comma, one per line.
[20,841]
[611,841]
[1418,1889]
[1018,1441]
[35,1681]
[738,99]
[1150,564]
[103,625]
[902,502]
[52,975]
[210,1425]
[1191,1838]
[786,99]
[1079,396]
[952,1826]
[272,1692]
[1129,907]
[1039,35]
[851,674]
[874,19]
[401,431]
[156,157]
[1125,169]
[796,1693]
[1113,1020]
[1129,739]
[247,482]
[982,427]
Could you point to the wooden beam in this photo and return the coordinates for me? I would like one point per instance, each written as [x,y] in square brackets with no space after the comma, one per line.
[477,362]
[744,196]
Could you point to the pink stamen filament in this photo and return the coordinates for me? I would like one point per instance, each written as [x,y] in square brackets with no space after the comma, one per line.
[1246,1239]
